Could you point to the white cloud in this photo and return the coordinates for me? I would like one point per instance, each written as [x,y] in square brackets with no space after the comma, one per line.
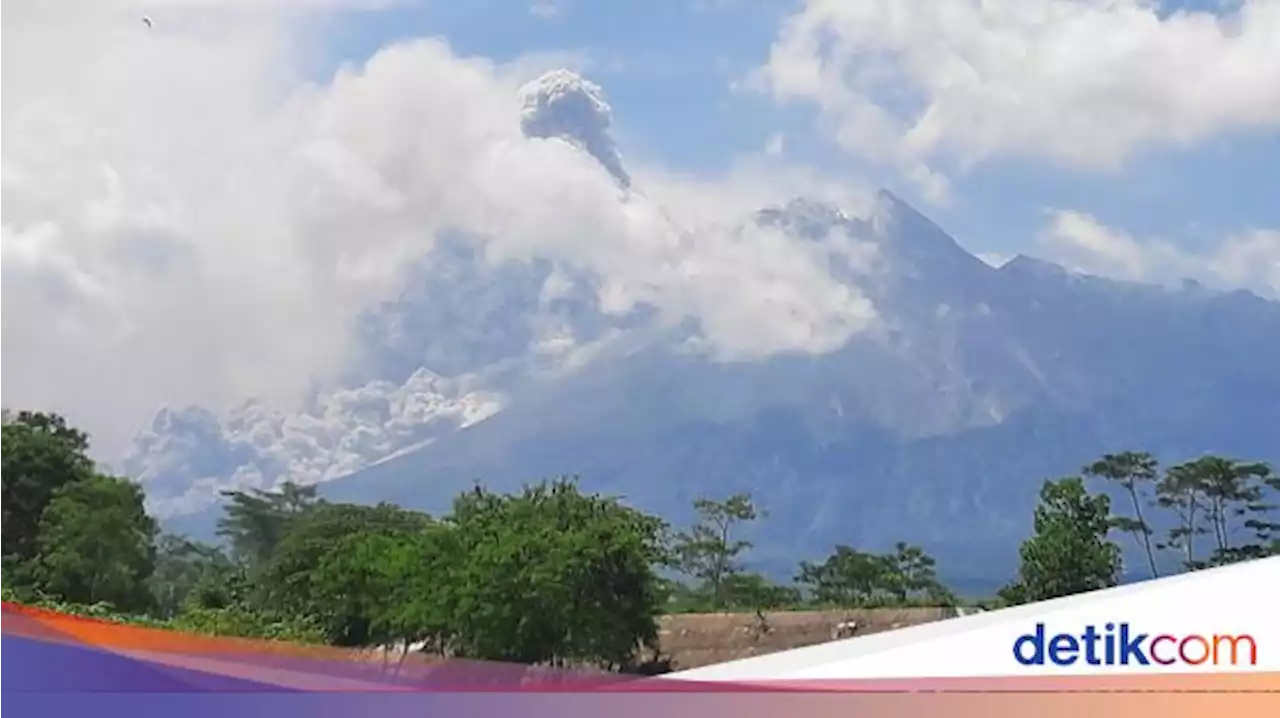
[1249,260]
[187,220]
[1083,83]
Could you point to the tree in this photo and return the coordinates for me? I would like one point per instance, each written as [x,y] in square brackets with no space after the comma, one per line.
[554,576]
[288,581]
[1180,492]
[398,585]
[47,423]
[847,577]
[189,570]
[1216,497]
[755,592]
[255,521]
[421,570]
[706,552]
[1132,471]
[914,573]
[39,454]
[1069,552]
[95,544]
[359,582]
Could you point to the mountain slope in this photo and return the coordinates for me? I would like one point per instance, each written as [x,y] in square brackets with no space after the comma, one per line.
[924,397]
[937,427]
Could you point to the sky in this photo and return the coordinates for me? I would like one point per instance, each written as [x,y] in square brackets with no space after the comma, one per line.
[673,71]
[195,211]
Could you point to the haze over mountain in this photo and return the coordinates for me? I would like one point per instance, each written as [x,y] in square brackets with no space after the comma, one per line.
[933,418]
[392,249]
[936,426]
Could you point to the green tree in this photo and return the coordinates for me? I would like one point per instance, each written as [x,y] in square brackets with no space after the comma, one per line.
[847,577]
[254,522]
[1069,552]
[95,544]
[39,454]
[355,586]
[554,576]
[189,570]
[398,585]
[287,582]
[914,574]
[1216,497]
[1180,492]
[755,592]
[1133,471]
[707,552]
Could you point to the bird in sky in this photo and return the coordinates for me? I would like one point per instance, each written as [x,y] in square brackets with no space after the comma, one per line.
[146,21]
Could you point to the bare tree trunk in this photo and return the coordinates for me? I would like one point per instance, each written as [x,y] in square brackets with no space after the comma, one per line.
[1146,531]
[1191,533]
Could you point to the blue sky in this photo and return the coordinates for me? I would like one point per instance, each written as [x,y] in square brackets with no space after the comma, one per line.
[667,68]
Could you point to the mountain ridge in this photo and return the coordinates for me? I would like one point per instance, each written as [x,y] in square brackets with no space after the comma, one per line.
[886,384]
[935,425]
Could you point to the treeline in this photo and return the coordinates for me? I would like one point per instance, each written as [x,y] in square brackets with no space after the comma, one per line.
[549,575]
[1217,511]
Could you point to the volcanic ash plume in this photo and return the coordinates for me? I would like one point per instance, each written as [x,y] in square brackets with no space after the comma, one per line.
[563,104]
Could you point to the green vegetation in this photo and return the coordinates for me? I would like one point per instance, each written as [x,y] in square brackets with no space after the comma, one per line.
[852,578]
[1219,499]
[1070,552]
[549,575]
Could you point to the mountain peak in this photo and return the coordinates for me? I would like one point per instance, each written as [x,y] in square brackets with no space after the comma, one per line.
[916,241]
[885,196]
[889,207]
[1032,267]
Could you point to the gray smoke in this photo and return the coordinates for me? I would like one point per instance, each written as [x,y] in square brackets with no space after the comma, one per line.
[563,104]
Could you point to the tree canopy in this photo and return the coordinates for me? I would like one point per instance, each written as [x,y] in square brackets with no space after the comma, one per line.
[1069,552]
[96,543]
[551,574]
[42,453]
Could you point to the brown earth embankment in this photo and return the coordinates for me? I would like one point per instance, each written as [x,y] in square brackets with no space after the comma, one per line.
[700,639]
